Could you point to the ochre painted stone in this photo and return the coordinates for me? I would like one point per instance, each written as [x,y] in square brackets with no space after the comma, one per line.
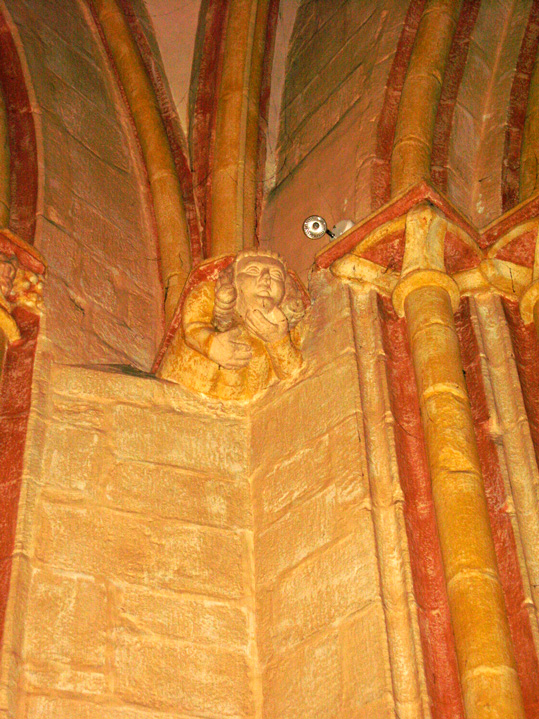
[178,556]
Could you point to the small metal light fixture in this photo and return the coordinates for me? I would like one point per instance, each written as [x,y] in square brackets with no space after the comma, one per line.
[315,227]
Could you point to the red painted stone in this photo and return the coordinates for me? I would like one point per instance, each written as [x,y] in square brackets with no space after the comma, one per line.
[394,209]
[15,395]
[387,122]
[425,556]
[16,381]
[389,252]
[207,64]
[454,71]
[521,250]
[526,211]
[28,257]
[22,138]
[516,115]
[502,531]
[458,256]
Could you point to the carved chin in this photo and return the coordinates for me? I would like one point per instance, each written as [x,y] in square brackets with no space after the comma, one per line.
[267,303]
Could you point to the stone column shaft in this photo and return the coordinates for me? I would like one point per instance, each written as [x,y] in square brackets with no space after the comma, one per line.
[427,297]
[233,201]
[170,217]
[487,667]
[414,132]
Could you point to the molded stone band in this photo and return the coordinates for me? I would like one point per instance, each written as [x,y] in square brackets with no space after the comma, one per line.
[424,278]
[528,301]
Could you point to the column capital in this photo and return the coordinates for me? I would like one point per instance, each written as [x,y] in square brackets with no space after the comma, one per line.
[528,301]
[424,278]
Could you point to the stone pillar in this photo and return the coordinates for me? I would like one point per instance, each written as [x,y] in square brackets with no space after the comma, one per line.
[428,297]
[233,202]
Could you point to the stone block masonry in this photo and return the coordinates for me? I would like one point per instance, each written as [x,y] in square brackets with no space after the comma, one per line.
[183,558]
[138,590]
[94,223]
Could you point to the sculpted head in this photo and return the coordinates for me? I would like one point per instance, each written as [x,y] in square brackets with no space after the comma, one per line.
[257,279]
[260,282]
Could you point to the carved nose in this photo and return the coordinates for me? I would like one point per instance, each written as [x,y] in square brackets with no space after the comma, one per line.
[265,277]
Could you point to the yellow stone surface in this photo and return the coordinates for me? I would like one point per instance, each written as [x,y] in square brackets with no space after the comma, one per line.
[183,557]
[482,638]
[173,493]
[191,618]
[214,680]
[157,552]
[67,620]
[330,584]
[64,708]
[307,682]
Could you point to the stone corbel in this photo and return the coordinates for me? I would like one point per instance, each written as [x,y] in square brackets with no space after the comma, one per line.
[21,286]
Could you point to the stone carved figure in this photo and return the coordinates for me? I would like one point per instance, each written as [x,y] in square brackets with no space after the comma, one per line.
[18,285]
[8,270]
[238,333]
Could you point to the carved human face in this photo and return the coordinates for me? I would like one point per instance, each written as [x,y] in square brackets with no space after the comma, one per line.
[260,282]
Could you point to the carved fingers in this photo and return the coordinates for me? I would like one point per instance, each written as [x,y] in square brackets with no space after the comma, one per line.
[269,328]
[229,351]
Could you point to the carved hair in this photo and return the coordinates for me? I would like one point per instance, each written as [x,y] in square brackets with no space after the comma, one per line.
[226,294]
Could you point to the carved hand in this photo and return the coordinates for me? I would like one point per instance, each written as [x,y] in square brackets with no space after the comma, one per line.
[270,328]
[228,351]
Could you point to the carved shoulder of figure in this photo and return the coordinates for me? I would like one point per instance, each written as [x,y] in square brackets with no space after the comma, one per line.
[197,317]
[292,305]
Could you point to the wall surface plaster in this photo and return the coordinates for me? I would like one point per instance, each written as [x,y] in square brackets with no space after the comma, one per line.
[338,61]
[477,140]
[283,32]
[175,25]
[94,224]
